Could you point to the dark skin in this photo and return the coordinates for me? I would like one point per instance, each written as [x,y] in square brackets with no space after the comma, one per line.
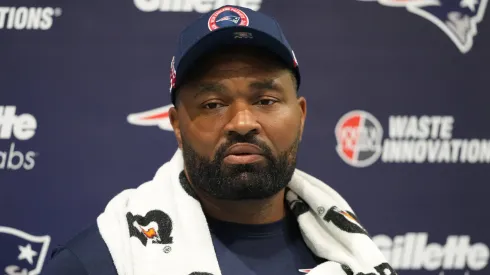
[243,92]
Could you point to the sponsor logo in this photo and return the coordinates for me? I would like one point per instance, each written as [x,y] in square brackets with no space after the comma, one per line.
[23,254]
[381,269]
[345,220]
[227,16]
[297,205]
[155,117]
[342,219]
[28,18]
[412,251]
[412,139]
[359,137]
[155,226]
[201,6]
[457,18]
[22,128]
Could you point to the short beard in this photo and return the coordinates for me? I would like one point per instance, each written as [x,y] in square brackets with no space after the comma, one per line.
[241,181]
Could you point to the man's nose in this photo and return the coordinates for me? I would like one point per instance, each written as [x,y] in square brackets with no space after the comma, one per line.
[243,121]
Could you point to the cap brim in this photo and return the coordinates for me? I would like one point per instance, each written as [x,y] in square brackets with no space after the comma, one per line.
[233,36]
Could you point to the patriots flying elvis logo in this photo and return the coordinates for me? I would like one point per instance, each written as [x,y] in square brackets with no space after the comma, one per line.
[22,253]
[457,18]
[234,19]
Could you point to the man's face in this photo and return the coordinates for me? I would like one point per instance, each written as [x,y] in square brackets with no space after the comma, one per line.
[239,123]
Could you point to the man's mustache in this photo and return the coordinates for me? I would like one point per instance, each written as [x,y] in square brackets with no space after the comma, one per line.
[250,139]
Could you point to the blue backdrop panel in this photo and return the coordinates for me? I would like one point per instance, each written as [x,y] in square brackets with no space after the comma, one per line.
[397,96]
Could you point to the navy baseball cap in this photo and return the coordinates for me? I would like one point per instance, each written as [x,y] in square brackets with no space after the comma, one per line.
[228,26]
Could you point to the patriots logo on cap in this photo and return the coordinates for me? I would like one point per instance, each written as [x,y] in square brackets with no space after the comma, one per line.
[234,19]
[457,18]
[226,17]
[23,253]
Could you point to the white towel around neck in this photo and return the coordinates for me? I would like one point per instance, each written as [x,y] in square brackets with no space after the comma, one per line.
[159,229]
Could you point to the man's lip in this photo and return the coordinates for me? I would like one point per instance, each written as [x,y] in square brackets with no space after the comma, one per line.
[243,149]
[243,159]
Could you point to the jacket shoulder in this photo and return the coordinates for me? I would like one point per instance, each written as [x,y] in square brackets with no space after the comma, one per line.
[84,254]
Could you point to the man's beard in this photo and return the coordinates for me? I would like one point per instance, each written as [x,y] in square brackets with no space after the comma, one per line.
[240,181]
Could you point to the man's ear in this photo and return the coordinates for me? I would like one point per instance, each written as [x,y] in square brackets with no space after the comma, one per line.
[174,120]
[302,108]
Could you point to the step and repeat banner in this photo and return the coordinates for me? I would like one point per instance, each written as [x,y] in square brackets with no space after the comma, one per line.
[398,99]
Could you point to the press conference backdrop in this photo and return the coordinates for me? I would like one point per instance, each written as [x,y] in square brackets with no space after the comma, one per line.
[398,109]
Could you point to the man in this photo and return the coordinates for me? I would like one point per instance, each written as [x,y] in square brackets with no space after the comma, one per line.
[238,120]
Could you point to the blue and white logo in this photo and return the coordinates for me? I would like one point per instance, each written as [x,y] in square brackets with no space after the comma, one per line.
[227,17]
[457,18]
[22,253]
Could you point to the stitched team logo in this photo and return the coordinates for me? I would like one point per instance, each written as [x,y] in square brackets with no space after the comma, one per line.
[297,205]
[381,269]
[227,16]
[457,18]
[359,135]
[156,226]
[345,220]
[22,253]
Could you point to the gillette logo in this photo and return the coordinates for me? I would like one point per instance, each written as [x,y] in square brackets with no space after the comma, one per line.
[20,127]
[412,251]
[200,6]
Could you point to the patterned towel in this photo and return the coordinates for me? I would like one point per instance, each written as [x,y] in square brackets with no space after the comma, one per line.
[158,228]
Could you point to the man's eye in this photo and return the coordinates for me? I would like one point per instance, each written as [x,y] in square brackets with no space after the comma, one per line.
[212,105]
[266,102]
